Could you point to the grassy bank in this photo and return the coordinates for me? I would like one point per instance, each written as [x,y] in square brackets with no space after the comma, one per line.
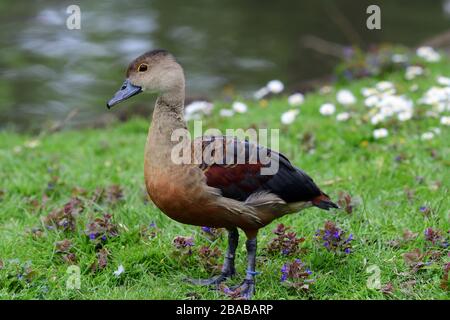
[395,183]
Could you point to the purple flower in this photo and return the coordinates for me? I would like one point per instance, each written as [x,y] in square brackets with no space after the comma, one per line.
[206,229]
[104,238]
[333,238]
[183,242]
[92,236]
[152,225]
[295,275]
[284,273]
[227,290]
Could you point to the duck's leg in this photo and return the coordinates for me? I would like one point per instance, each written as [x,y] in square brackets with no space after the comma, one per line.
[247,287]
[228,268]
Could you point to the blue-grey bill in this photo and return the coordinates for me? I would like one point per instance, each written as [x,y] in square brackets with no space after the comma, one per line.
[126,91]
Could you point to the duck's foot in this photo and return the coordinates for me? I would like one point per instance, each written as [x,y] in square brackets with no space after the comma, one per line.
[244,291]
[214,281]
[228,269]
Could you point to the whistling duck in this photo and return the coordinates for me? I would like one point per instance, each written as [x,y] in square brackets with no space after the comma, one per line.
[212,193]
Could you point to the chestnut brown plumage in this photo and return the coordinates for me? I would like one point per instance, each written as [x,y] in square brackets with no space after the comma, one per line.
[229,190]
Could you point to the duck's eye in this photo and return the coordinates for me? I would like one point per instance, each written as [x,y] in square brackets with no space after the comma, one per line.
[143,67]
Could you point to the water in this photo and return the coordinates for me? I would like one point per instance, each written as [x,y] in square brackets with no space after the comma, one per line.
[47,71]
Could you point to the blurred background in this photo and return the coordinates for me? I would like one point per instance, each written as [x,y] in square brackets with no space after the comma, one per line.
[49,73]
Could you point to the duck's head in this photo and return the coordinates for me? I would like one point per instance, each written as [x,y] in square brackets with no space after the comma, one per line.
[155,71]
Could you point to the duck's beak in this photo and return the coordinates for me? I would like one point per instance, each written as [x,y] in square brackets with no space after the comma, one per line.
[126,91]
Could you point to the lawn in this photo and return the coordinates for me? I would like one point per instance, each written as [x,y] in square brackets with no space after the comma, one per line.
[396,186]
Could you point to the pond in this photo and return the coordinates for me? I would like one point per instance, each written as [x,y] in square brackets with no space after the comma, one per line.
[231,46]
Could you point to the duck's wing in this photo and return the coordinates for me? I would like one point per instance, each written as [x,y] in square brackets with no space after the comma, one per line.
[241,169]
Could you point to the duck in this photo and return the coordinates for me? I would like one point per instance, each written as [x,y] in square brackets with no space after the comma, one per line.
[238,185]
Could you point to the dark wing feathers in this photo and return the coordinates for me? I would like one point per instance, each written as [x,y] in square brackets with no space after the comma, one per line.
[239,181]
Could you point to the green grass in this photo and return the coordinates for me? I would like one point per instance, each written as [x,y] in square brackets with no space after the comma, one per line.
[346,158]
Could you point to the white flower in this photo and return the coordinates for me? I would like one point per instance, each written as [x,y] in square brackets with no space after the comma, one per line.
[392,103]
[443,81]
[197,108]
[386,111]
[345,97]
[371,101]
[296,99]
[226,113]
[445,120]
[343,116]
[380,133]
[288,117]
[367,92]
[261,93]
[327,109]
[404,115]
[427,136]
[428,54]
[436,131]
[275,86]
[442,106]
[413,71]
[119,271]
[436,96]
[239,107]
[384,85]
[377,118]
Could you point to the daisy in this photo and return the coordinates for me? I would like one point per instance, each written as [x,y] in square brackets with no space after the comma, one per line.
[413,71]
[443,81]
[345,97]
[384,86]
[239,107]
[343,116]
[327,109]
[367,92]
[404,116]
[380,133]
[427,136]
[195,109]
[288,117]
[445,120]
[275,86]
[428,54]
[296,99]
[377,118]
[371,101]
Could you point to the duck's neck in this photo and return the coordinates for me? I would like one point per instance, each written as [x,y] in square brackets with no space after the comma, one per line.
[168,116]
